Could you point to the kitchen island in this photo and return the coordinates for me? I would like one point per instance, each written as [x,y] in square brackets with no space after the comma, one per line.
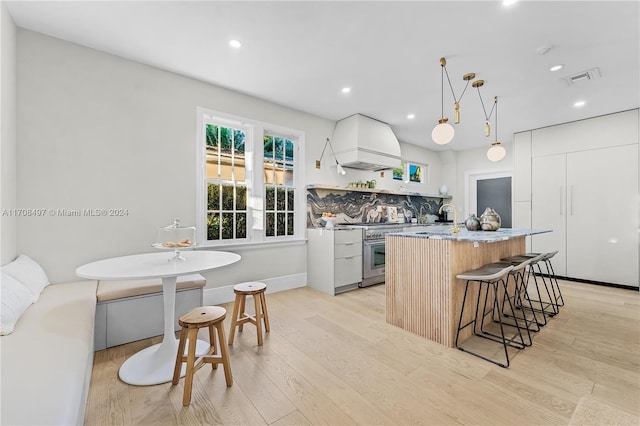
[423,294]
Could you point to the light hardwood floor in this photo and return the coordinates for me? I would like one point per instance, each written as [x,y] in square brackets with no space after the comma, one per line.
[334,360]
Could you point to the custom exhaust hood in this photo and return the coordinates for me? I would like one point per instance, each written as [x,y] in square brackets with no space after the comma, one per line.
[361,142]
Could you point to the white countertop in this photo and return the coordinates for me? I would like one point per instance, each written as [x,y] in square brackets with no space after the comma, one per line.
[444,233]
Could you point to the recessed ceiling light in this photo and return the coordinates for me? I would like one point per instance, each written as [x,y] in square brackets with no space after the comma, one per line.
[509,2]
[556,67]
[346,89]
[579,104]
[235,43]
[411,116]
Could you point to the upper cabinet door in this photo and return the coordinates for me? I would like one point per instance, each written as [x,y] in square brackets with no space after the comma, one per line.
[548,207]
[602,215]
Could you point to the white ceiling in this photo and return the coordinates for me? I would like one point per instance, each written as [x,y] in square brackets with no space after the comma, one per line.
[300,54]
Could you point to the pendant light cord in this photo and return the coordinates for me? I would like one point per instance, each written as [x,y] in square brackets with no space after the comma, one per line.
[495,105]
[451,87]
[442,70]
[488,117]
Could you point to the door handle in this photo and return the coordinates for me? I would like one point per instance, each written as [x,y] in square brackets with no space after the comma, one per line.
[571,200]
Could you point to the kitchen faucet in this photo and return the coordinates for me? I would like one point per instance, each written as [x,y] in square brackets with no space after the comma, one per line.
[422,218]
[455,229]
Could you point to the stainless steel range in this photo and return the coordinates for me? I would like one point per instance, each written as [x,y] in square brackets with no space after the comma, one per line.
[373,250]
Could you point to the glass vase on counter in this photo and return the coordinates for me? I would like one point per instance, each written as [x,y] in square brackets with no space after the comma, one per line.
[490,220]
[472,223]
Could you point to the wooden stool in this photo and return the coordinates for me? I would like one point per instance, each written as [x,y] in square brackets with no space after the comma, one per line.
[242,290]
[211,317]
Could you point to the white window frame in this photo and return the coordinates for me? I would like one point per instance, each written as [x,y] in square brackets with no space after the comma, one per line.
[254,132]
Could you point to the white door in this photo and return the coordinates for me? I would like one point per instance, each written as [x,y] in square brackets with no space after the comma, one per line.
[548,207]
[602,215]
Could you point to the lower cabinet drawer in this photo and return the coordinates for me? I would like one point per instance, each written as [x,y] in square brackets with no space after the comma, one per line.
[348,270]
[348,250]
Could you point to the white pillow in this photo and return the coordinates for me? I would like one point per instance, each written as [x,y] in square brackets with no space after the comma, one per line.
[16,298]
[29,273]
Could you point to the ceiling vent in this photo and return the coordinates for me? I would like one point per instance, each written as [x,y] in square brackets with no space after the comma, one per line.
[584,76]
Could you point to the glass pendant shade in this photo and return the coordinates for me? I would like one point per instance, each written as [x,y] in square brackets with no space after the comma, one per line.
[340,169]
[443,133]
[496,152]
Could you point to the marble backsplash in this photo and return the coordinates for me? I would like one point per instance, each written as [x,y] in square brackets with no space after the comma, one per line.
[358,206]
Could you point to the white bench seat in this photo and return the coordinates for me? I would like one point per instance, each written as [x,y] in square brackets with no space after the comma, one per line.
[47,360]
[130,310]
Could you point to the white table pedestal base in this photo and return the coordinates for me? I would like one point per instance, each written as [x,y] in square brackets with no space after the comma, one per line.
[154,365]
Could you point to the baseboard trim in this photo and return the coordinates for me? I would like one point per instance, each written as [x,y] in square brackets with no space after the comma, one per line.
[219,295]
[600,283]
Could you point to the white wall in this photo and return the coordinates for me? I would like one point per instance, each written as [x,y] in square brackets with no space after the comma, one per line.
[475,161]
[8,133]
[100,131]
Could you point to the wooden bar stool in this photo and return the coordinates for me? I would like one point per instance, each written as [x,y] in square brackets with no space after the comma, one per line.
[211,317]
[242,290]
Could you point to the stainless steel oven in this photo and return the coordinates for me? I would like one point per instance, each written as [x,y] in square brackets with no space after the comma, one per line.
[373,251]
[372,262]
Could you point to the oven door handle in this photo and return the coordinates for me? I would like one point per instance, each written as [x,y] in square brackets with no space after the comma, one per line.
[373,242]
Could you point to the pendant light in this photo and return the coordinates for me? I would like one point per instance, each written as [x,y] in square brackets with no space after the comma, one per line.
[497,151]
[443,133]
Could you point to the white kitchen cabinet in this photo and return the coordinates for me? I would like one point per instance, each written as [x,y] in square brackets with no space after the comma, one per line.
[602,215]
[590,200]
[548,207]
[334,259]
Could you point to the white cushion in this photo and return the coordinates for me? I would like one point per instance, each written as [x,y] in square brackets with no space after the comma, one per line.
[29,273]
[46,362]
[16,298]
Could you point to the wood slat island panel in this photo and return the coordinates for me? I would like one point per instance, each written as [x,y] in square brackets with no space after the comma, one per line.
[422,293]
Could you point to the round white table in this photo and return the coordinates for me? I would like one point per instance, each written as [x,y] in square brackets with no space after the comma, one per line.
[155,364]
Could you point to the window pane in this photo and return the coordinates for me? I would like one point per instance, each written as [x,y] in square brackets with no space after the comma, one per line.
[238,169]
[288,175]
[278,148]
[225,139]
[279,166]
[238,143]
[213,197]
[212,136]
[227,197]
[269,174]
[290,224]
[280,200]
[289,151]
[241,198]
[211,169]
[270,228]
[271,198]
[213,226]
[227,226]
[241,225]
[225,166]
[281,229]
[290,200]
[268,147]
